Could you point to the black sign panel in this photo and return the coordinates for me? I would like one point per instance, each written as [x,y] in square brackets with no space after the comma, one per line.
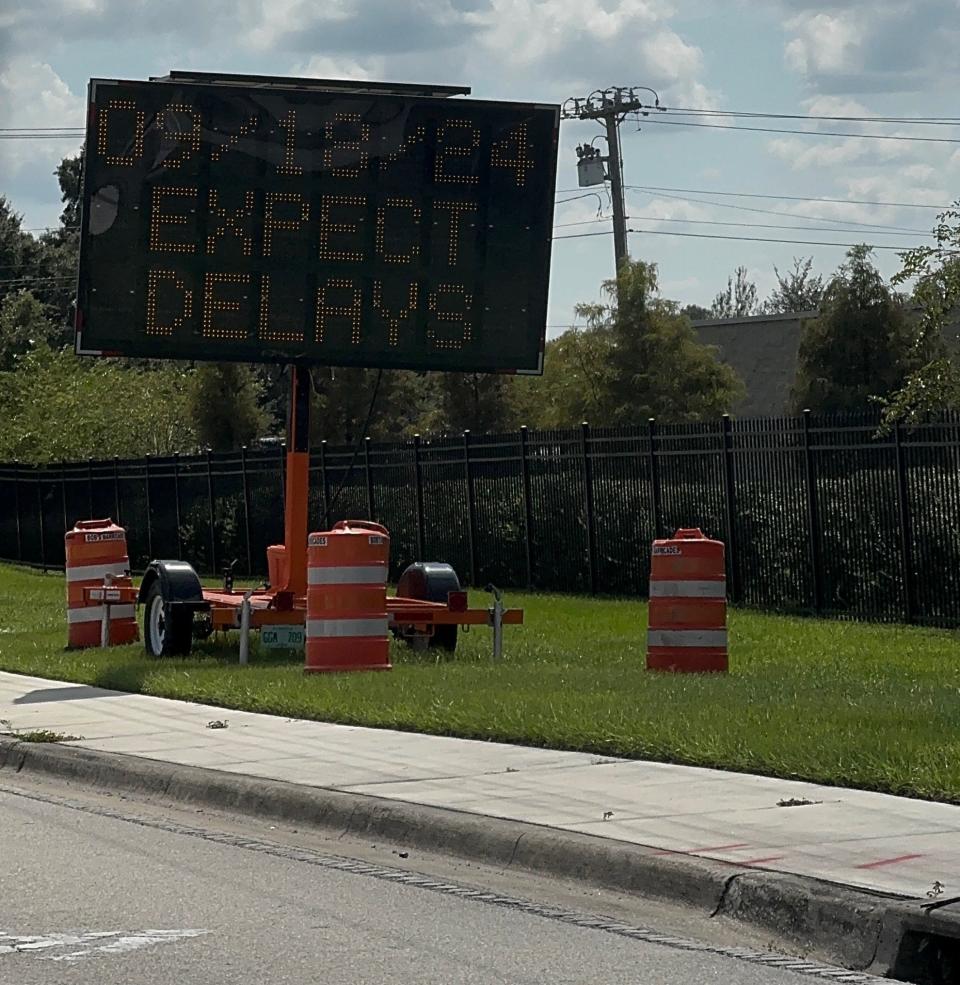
[233,222]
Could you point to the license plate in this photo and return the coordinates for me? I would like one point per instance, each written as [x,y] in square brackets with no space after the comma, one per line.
[282,637]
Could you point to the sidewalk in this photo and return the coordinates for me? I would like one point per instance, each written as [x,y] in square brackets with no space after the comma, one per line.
[860,839]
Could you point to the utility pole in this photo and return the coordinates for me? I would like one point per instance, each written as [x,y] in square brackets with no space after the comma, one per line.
[620,249]
[609,106]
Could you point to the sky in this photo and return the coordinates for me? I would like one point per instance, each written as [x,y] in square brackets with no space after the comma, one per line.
[862,58]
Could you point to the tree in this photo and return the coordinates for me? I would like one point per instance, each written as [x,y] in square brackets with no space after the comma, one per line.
[45,265]
[738,299]
[56,407]
[479,402]
[860,348]
[406,402]
[934,383]
[70,175]
[796,290]
[56,253]
[695,312]
[575,385]
[223,406]
[15,247]
[23,324]
[637,358]
[660,368]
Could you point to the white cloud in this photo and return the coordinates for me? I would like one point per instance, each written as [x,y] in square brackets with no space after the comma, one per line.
[823,43]
[667,208]
[805,153]
[872,45]
[33,95]
[326,67]
[826,104]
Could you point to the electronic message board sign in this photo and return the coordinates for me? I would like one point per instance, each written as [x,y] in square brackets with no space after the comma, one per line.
[249,222]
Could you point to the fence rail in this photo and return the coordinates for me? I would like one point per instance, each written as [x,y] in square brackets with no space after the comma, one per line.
[820,515]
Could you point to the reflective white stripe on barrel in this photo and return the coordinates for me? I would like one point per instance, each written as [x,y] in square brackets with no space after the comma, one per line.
[89,572]
[94,613]
[688,589]
[687,637]
[364,574]
[317,628]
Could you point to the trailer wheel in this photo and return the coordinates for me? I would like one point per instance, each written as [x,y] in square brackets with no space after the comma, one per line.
[167,629]
[431,581]
[445,637]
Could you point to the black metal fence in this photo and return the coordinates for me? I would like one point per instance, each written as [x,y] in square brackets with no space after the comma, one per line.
[819,515]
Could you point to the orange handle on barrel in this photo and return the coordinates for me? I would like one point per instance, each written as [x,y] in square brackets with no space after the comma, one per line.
[92,524]
[363,525]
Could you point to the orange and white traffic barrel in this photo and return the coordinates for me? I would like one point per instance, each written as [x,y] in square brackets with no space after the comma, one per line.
[96,552]
[687,629]
[347,598]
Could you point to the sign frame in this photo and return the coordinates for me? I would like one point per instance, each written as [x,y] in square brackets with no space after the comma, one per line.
[90,341]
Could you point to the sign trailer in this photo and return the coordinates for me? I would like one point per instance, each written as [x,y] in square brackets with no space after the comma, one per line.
[313,222]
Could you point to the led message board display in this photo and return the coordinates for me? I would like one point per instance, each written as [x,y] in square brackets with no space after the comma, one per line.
[264,223]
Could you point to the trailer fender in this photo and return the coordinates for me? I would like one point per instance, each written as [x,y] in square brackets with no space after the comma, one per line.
[179,584]
[431,581]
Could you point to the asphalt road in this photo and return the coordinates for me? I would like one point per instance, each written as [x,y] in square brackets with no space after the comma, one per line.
[93,892]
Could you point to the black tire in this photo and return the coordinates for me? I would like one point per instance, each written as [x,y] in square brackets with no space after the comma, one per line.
[167,629]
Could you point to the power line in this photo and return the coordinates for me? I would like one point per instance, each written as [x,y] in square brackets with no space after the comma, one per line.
[804,133]
[773,225]
[751,239]
[582,222]
[787,215]
[761,239]
[946,121]
[894,231]
[578,197]
[788,198]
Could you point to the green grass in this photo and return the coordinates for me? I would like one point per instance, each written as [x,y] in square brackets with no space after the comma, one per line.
[42,735]
[858,705]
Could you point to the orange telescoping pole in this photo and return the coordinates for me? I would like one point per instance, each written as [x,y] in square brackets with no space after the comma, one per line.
[296,500]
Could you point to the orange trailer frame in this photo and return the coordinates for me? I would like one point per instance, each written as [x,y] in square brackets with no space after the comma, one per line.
[286,604]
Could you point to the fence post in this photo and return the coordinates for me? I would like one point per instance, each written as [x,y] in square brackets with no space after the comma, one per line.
[16,493]
[324,492]
[176,501]
[418,496]
[116,490]
[813,516]
[246,507]
[588,505]
[371,513]
[906,531]
[90,487]
[43,536]
[146,485]
[730,502]
[63,496]
[656,507]
[527,503]
[213,529]
[471,510]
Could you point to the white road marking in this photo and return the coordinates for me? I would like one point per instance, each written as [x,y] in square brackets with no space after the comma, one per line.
[90,945]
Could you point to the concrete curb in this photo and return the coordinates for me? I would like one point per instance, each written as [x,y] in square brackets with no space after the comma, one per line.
[849,927]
